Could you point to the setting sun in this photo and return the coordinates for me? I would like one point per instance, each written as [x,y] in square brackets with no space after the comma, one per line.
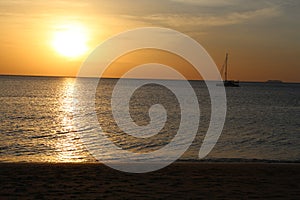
[70,40]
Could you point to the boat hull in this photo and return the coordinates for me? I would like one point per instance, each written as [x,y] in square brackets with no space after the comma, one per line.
[231,84]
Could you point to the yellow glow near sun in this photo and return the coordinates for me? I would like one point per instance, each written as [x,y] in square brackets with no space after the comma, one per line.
[70,40]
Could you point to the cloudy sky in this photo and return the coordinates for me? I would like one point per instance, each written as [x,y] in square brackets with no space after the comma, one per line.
[262,37]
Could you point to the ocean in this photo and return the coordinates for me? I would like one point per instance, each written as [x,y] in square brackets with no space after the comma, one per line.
[37,121]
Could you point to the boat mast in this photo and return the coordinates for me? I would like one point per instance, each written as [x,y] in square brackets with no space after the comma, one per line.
[226,60]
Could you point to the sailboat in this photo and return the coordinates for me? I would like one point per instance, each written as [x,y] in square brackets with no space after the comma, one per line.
[226,82]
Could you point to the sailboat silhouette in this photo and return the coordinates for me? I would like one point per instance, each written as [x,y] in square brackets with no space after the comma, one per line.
[226,82]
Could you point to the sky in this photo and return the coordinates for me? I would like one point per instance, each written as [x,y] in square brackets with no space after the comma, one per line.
[262,37]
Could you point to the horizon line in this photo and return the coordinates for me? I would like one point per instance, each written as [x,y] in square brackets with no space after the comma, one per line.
[169,79]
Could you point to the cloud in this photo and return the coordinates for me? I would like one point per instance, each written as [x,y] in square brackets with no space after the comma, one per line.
[214,3]
[181,20]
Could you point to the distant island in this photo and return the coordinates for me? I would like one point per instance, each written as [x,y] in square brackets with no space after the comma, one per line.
[274,81]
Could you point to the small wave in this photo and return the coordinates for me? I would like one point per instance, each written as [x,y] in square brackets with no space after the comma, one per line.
[40,136]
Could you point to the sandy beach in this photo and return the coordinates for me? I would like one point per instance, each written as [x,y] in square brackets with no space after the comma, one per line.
[177,181]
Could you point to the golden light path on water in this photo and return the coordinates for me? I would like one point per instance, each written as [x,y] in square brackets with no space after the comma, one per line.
[68,146]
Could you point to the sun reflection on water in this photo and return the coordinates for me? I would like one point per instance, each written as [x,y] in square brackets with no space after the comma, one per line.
[68,145]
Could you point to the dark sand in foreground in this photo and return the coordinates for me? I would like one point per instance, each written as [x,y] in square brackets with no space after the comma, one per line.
[177,181]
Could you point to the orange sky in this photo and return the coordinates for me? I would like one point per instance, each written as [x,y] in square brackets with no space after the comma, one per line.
[144,56]
[262,37]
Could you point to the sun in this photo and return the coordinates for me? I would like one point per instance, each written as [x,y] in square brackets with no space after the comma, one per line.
[70,40]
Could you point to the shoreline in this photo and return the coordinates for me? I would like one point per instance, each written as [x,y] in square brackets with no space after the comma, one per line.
[176,181]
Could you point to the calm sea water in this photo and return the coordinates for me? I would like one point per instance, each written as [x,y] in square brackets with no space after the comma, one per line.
[37,120]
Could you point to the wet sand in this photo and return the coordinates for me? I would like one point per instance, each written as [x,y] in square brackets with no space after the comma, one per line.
[177,181]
